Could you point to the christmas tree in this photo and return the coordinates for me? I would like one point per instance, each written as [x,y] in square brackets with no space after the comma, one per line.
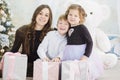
[6,28]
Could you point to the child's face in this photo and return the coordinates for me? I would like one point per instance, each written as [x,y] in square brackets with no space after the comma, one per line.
[73,17]
[62,27]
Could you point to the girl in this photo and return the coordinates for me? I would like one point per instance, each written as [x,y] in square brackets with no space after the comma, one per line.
[53,44]
[31,35]
[79,41]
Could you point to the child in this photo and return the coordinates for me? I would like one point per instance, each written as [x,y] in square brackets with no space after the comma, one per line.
[79,41]
[54,42]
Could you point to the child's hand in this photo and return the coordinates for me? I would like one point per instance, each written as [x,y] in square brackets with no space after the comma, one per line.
[57,59]
[84,58]
[46,59]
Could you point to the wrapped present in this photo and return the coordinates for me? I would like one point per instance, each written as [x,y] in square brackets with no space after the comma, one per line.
[14,66]
[75,70]
[45,70]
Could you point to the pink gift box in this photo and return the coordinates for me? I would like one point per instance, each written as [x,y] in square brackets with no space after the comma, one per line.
[14,66]
[45,70]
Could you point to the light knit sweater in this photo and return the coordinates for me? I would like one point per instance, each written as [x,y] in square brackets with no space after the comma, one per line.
[52,45]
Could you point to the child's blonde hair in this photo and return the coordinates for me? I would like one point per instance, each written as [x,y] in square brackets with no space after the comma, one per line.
[62,17]
[82,13]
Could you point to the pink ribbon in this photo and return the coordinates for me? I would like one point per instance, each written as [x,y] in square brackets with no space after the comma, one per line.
[10,67]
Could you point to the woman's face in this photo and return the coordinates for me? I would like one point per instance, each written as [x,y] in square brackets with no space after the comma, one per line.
[62,27]
[43,17]
[73,17]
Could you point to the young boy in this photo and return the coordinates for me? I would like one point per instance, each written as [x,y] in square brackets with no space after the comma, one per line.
[53,44]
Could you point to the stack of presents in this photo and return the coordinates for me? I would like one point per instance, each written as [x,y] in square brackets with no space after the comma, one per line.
[15,68]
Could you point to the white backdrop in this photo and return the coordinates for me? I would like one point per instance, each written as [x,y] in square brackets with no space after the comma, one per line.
[118,13]
[22,12]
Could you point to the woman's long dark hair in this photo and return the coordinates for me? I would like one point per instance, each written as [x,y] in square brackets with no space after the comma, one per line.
[30,34]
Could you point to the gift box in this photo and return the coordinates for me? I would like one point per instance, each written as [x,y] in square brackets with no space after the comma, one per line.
[14,66]
[75,70]
[45,70]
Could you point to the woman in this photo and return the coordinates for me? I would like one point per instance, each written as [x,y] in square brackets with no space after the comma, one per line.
[31,35]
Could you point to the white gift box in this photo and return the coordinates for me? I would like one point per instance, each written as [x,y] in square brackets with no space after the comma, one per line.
[75,70]
[14,67]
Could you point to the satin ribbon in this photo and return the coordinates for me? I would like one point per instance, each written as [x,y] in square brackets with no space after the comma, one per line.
[45,70]
[11,65]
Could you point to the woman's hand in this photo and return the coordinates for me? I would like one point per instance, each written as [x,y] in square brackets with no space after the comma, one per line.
[57,59]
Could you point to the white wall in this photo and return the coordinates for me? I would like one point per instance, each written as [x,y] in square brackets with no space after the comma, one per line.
[22,11]
[118,13]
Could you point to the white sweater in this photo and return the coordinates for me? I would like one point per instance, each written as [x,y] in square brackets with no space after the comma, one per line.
[52,45]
